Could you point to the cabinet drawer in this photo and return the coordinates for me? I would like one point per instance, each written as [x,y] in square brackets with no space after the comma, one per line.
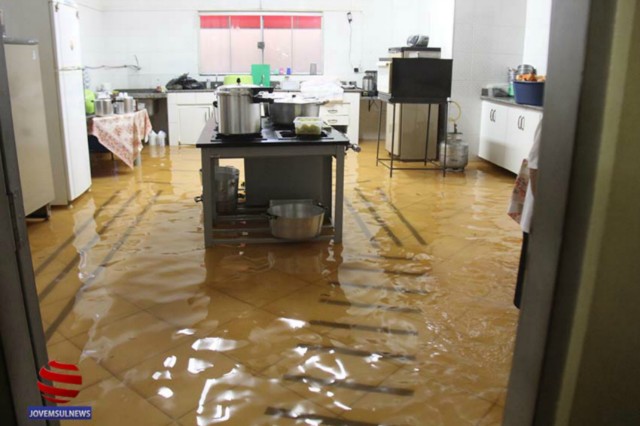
[336,120]
[334,109]
[205,98]
[181,98]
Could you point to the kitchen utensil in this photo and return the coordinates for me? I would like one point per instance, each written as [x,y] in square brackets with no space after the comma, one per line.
[418,40]
[238,108]
[296,221]
[525,69]
[369,81]
[103,107]
[284,111]
[118,106]
[129,105]
[227,179]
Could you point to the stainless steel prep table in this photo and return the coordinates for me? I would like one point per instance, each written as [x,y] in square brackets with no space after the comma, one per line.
[267,146]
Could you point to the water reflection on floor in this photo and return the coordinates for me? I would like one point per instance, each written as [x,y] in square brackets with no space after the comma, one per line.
[409,322]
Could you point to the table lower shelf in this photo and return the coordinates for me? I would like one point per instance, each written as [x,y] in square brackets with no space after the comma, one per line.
[247,226]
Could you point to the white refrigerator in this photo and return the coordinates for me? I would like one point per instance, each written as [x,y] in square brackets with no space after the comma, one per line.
[74,177]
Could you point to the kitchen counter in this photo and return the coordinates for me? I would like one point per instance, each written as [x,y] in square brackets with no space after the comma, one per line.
[510,102]
[192,91]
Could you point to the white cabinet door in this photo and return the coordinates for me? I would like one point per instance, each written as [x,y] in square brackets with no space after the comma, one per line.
[191,121]
[353,131]
[66,21]
[521,129]
[74,127]
[493,133]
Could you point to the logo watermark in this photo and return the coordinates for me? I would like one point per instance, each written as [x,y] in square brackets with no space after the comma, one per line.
[65,385]
[60,413]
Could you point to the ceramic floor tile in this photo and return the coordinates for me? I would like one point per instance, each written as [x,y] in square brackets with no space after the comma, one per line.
[260,288]
[257,401]
[65,352]
[493,417]
[176,381]
[115,404]
[87,310]
[128,341]
[201,309]
[383,328]
[441,405]
[258,339]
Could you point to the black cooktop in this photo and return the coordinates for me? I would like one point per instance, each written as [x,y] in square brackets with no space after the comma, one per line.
[276,136]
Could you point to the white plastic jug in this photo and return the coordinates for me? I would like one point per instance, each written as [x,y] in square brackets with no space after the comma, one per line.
[153,138]
[161,138]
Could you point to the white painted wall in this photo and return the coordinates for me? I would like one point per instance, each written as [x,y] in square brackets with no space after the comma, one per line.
[163,34]
[536,36]
[488,39]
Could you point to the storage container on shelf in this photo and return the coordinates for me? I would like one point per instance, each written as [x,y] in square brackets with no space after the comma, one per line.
[308,126]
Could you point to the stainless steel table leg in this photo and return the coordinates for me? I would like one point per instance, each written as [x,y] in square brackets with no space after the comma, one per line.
[208,201]
[393,138]
[379,129]
[337,219]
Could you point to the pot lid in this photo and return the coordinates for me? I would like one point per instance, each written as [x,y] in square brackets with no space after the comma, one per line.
[238,88]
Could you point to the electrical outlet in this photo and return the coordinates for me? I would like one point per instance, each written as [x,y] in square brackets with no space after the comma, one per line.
[356,70]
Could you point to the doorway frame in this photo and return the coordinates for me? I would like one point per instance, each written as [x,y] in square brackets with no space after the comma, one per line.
[581,36]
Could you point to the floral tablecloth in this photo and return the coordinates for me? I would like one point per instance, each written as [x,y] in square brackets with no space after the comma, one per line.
[122,134]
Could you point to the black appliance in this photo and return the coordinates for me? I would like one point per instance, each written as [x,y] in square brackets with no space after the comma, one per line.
[419,80]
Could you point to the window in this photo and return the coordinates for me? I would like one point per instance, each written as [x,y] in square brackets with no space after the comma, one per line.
[230,43]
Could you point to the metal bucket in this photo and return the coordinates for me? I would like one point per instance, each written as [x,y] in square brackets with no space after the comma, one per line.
[226,181]
[296,221]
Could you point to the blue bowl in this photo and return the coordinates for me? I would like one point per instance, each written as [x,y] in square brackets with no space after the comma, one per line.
[529,92]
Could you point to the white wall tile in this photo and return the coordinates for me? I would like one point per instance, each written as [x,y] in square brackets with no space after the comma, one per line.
[169,28]
[488,38]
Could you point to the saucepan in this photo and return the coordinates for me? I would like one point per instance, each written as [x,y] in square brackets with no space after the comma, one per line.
[296,221]
[284,111]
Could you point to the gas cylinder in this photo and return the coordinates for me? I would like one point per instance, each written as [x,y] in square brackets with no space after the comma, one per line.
[457,151]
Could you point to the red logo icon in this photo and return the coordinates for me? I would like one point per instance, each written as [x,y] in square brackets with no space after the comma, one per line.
[58,394]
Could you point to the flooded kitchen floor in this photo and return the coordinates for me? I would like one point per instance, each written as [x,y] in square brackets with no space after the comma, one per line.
[408,322]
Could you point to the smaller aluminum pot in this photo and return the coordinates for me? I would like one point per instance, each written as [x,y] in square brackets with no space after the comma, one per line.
[129,105]
[296,221]
[284,112]
[103,107]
